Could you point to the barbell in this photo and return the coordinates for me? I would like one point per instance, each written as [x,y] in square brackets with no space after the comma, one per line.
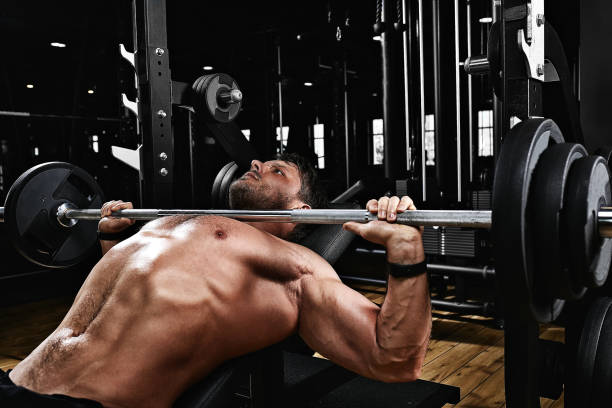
[551,219]
[458,218]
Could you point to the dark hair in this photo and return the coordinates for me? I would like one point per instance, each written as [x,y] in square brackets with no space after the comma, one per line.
[310,191]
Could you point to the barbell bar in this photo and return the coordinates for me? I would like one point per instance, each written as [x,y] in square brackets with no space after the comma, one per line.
[470,219]
[427,218]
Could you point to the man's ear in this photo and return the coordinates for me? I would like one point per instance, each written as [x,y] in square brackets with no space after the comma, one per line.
[304,206]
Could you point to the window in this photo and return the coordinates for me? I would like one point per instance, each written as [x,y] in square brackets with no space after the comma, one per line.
[94,143]
[284,139]
[514,121]
[430,140]
[247,134]
[378,141]
[319,144]
[485,133]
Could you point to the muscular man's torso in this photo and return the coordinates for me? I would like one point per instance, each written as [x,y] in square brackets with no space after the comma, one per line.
[165,307]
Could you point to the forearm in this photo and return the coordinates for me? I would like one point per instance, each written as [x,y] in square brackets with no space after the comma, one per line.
[106,245]
[404,321]
[403,325]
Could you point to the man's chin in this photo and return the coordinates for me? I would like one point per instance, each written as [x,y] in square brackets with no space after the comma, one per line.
[244,195]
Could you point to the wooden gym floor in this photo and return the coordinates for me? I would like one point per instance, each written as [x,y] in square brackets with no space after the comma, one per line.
[467,354]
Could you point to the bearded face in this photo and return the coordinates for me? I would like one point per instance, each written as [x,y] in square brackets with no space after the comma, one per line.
[249,193]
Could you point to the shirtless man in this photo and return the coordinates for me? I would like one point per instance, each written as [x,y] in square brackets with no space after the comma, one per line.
[165,307]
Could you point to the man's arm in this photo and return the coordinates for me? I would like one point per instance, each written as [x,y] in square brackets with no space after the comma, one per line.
[387,343]
[109,225]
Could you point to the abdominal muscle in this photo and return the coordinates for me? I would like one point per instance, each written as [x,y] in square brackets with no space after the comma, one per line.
[163,309]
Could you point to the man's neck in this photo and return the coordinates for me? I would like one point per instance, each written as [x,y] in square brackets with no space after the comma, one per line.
[278,229]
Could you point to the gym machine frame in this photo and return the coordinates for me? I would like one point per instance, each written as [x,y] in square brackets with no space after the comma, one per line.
[152,65]
[521,97]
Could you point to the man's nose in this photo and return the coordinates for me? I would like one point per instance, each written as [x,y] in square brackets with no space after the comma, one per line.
[256,165]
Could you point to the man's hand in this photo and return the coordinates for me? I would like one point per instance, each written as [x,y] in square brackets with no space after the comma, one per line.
[110,225]
[404,244]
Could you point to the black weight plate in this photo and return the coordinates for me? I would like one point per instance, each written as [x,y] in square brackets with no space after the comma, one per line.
[587,351]
[588,188]
[602,373]
[512,234]
[229,112]
[215,196]
[203,86]
[209,95]
[199,98]
[196,84]
[230,176]
[547,205]
[206,90]
[217,84]
[30,208]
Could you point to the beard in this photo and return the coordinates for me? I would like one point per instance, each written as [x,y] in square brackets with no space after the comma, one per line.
[244,195]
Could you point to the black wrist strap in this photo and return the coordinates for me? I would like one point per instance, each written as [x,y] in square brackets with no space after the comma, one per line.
[406,271]
[118,236]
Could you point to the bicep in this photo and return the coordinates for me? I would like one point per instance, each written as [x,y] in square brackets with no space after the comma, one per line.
[338,322]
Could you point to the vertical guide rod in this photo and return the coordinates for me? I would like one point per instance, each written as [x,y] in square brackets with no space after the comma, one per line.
[458,99]
[499,105]
[393,123]
[406,61]
[346,123]
[422,102]
[468,12]
[437,84]
[280,95]
[190,120]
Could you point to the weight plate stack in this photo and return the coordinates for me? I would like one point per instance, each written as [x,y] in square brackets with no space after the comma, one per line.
[221,185]
[207,90]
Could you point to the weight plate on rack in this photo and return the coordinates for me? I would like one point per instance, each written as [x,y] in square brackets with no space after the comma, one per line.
[207,91]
